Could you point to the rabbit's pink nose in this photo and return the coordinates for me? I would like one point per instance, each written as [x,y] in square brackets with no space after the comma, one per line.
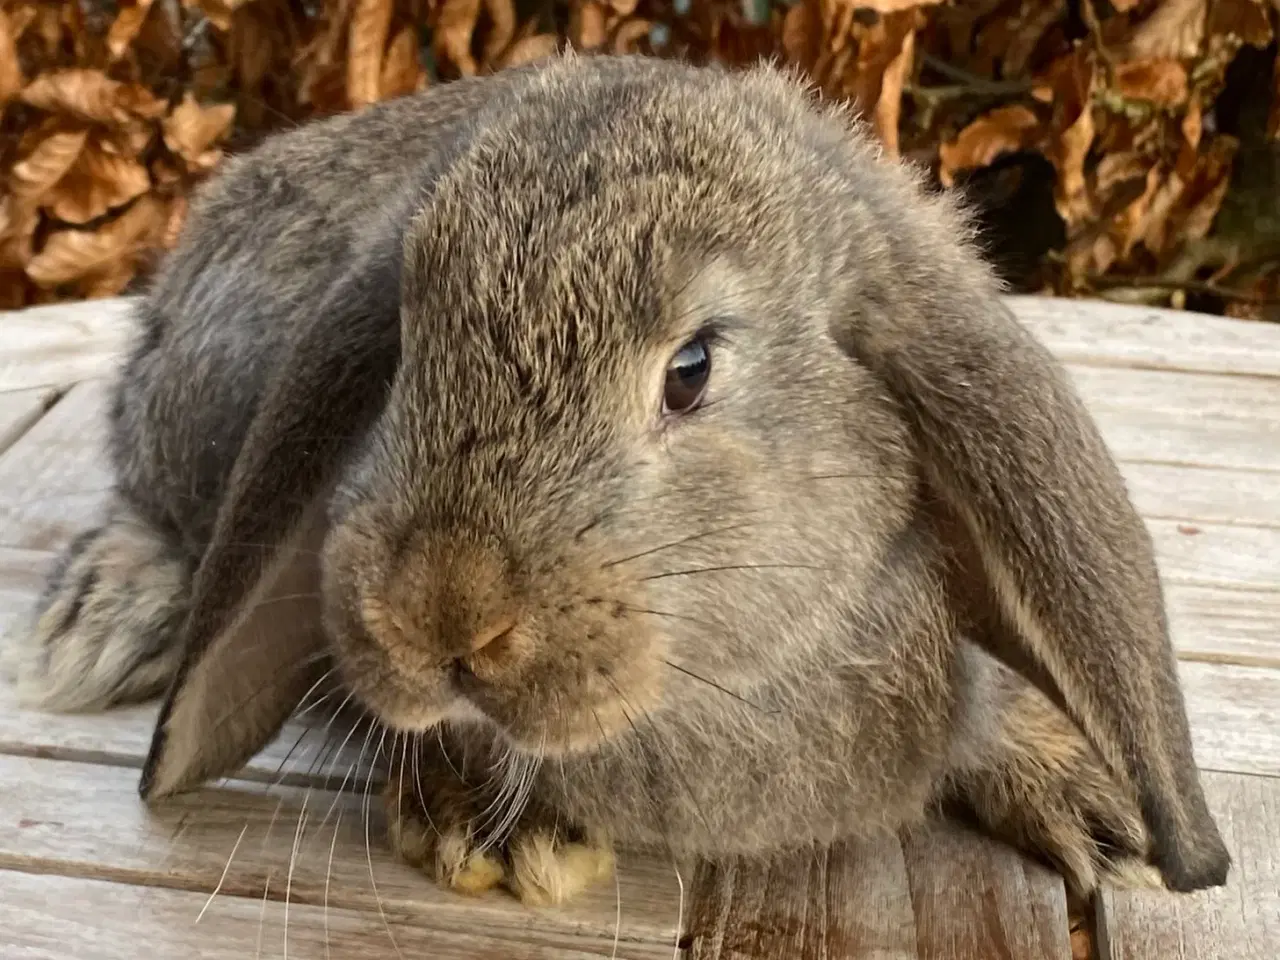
[491,649]
[493,632]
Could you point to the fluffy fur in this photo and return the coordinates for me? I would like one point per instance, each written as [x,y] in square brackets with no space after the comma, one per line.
[429,341]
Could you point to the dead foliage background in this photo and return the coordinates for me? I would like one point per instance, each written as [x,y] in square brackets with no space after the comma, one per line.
[1119,148]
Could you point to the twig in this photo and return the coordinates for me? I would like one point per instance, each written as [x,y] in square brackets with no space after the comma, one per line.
[1185,286]
[972,82]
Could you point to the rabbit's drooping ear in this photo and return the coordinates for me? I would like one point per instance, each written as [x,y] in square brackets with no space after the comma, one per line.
[253,638]
[1012,451]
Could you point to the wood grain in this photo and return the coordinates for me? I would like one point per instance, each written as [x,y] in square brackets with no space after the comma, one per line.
[66,918]
[1207,420]
[1100,333]
[1224,624]
[63,343]
[1240,921]
[54,478]
[1217,554]
[941,894]
[20,409]
[1211,494]
[1235,716]
[84,820]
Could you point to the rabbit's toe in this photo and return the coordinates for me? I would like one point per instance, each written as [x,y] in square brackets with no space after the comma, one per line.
[1039,784]
[435,826]
[105,626]
[547,869]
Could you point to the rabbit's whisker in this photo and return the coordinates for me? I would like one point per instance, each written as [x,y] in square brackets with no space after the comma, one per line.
[711,683]
[661,743]
[351,768]
[676,543]
[217,888]
[733,566]
[670,616]
[293,859]
[675,953]
[368,853]
[417,783]
[328,876]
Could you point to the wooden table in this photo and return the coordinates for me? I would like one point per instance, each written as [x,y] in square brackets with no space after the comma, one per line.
[1191,406]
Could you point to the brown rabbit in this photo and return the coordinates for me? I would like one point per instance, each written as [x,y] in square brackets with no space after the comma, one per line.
[639,431]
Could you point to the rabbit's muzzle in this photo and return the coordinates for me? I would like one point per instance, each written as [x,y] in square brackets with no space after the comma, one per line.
[453,630]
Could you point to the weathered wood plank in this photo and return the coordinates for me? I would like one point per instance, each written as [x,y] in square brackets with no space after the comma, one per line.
[943,893]
[1226,625]
[83,820]
[63,344]
[1208,553]
[66,918]
[55,477]
[1206,420]
[1240,921]
[1100,333]
[1210,494]
[1233,712]
[19,410]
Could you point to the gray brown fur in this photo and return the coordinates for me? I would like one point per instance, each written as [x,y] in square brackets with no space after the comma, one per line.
[453,311]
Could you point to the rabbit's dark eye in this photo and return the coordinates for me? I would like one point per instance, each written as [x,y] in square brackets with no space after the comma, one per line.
[687,376]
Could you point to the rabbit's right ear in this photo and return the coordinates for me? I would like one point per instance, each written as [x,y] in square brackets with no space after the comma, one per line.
[1012,452]
[253,638]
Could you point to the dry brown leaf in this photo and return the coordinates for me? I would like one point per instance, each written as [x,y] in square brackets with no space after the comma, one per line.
[191,131]
[1162,82]
[174,222]
[1205,190]
[889,106]
[1073,79]
[1273,116]
[110,282]
[629,34]
[99,182]
[800,34]
[11,80]
[401,71]
[1247,20]
[126,26]
[218,12]
[1175,28]
[456,24]
[18,222]
[72,254]
[536,47]
[91,95]
[1002,130]
[502,28]
[588,25]
[366,44]
[41,169]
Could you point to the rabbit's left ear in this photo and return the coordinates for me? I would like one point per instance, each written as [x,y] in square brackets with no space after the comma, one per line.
[252,639]
[1009,446]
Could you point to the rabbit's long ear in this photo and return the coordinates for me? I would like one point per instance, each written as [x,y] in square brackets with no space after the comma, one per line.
[1010,448]
[253,638]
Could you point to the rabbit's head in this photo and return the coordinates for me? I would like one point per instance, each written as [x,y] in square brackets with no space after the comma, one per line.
[623,440]
[680,358]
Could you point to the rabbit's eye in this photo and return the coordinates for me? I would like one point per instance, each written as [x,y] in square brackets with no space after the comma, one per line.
[687,376]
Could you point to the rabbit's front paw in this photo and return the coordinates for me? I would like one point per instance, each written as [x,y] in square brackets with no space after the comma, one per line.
[105,628]
[1039,784]
[440,824]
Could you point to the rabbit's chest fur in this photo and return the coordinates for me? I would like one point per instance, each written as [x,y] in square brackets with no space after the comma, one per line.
[828,752]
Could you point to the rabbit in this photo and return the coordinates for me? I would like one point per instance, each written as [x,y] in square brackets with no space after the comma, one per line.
[657,463]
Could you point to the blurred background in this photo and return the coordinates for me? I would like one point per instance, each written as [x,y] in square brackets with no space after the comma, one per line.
[1122,149]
